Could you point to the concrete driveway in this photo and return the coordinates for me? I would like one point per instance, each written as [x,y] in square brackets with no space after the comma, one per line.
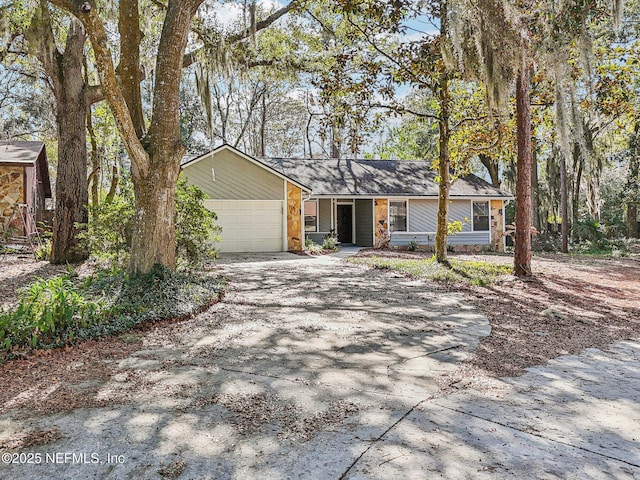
[315,369]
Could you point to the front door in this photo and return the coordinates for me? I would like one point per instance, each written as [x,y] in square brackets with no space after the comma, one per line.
[345,223]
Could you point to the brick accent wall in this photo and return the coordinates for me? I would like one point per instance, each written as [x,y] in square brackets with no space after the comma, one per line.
[294,218]
[11,191]
[497,232]
[381,222]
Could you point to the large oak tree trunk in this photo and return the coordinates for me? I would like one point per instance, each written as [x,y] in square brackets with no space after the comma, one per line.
[155,158]
[72,195]
[444,163]
[522,249]
[153,240]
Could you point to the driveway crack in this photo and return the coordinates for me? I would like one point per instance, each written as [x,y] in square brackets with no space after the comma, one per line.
[440,350]
[379,438]
[533,433]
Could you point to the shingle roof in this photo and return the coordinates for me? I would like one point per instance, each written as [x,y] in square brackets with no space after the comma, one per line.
[27,153]
[20,152]
[346,177]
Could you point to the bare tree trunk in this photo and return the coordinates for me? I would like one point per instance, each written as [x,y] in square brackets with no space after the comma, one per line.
[633,184]
[72,97]
[522,249]
[492,168]
[263,125]
[535,190]
[153,239]
[632,220]
[94,177]
[72,194]
[444,163]
[575,198]
[115,178]
[308,136]
[564,214]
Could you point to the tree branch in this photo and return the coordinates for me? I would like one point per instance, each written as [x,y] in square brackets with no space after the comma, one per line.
[87,12]
[261,25]
[94,94]
[165,121]
[389,57]
[191,57]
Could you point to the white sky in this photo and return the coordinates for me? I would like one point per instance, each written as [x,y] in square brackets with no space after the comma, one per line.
[228,12]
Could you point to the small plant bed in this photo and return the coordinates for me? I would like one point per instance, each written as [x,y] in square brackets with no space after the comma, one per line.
[424,265]
[329,245]
[314,253]
[66,308]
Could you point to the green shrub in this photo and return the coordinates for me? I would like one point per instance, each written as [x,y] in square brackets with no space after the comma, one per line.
[47,311]
[62,309]
[589,230]
[314,248]
[412,246]
[330,242]
[196,229]
[108,234]
[43,252]
[616,248]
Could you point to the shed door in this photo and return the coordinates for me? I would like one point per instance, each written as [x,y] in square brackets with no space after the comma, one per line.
[249,225]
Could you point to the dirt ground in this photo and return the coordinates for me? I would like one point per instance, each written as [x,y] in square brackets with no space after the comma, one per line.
[571,303]
[312,368]
[17,271]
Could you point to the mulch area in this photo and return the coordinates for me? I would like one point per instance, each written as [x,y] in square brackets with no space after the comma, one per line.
[571,303]
[62,379]
[17,271]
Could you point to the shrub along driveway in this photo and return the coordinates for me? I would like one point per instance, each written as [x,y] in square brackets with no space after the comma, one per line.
[312,368]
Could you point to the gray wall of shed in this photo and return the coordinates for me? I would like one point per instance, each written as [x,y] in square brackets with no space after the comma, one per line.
[236,178]
[364,223]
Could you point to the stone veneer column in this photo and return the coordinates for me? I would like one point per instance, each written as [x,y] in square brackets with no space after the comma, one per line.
[497,232]
[381,222]
[11,192]
[294,218]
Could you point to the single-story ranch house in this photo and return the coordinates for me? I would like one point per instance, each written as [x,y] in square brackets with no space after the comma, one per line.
[273,204]
[24,180]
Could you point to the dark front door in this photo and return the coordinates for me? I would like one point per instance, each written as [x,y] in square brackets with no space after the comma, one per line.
[345,223]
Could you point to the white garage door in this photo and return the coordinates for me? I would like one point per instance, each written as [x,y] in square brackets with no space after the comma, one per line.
[249,225]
